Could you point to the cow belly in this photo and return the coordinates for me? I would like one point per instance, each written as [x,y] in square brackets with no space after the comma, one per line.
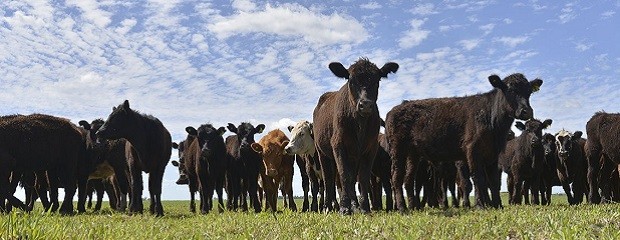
[104,170]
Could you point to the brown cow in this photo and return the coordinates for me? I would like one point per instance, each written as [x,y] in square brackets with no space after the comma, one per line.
[572,165]
[346,126]
[471,128]
[152,145]
[277,168]
[603,147]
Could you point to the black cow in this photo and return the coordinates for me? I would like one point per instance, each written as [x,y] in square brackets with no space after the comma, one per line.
[602,151]
[572,165]
[244,165]
[151,142]
[472,128]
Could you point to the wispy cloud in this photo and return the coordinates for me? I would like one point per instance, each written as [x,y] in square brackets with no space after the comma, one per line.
[371,5]
[487,28]
[512,41]
[470,44]
[424,9]
[292,21]
[608,14]
[581,47]
[567,14]
[414,36]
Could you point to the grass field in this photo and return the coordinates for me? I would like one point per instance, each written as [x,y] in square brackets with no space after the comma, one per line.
[558,221]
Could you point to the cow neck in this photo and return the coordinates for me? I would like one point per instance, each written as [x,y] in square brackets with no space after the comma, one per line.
[138,140]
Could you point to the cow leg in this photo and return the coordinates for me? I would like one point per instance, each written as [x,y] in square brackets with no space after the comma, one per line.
[364,173]
[479,176]
[315,185]
[375,194]
[288,186]
[135,203]
[301,164]
[192,198]
[525,192]
[495,181]
[535,186]
[464,183]
[99,197]
[155,180]
[568,192]
[593,156]
[89,194]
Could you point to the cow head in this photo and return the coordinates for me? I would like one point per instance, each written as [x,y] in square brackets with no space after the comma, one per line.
[533,131]
[245,132]
[118,123]
[92,140]
[564,141]
[549,144]
[208,137]
[517,90]
[302,139]
[272,154]
[363,82]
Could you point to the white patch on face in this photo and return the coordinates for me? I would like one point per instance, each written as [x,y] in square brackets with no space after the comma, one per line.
[562,133]
[301,139]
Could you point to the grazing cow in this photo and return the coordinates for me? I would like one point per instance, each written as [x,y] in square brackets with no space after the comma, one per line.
[277,168]
[523,159]
[151,142]
[302,145]
[110,157]
[602,149]
[244,165]
[572,165]
[471,128]
[346,126]
[39,143]
[381,175]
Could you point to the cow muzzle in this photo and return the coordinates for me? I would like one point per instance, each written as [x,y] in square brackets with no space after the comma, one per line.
[365,107]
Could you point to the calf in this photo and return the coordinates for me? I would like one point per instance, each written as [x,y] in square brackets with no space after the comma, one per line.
[471,128]
[277,168]
[522,160]
[603,150]
[110,157]
[346,126]
[151,142]
[572,165]
[181,163]
[244,165]
[549,172]
[302,145]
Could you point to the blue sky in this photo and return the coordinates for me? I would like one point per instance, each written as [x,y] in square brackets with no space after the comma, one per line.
[193,62]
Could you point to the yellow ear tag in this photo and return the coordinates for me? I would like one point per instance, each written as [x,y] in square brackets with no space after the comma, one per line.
[535,88]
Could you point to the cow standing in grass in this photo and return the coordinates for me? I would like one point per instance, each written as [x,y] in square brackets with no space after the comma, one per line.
[472,128]
[602,150]
[572,165]
[346,126]
[277,170]
[151,143]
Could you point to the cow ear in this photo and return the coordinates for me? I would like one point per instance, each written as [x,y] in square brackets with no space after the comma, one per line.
[257,147]
[221,130]
[84,124]
[547,123]
[232,128]
[536,83]
[390,67]
[339,70]
[175,163]
[191,131]
[290,128]
[520,126]
[577,135]
[126,105]
[381,122]
[175,145]
[496,82]
[260,128]
[311,129]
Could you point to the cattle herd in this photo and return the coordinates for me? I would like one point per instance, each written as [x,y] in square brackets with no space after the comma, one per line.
[435,145]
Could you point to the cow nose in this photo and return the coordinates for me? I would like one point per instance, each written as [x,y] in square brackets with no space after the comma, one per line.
[287,150]
[364,106]
[272,172]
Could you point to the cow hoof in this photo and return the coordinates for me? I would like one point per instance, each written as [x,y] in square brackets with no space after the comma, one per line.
[346,211]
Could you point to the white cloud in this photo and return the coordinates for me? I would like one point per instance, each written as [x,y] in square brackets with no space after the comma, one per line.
[244,5]
[424,9]
[512,41]
[507,20]
[567,14]
[446,28]
[415,35]
[293,21]
[581,47]
[608,14]
[91,11]
[487,28]
[371,5]
[470,44]
[126,26]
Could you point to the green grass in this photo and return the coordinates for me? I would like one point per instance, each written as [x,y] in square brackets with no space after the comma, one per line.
[558,221]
